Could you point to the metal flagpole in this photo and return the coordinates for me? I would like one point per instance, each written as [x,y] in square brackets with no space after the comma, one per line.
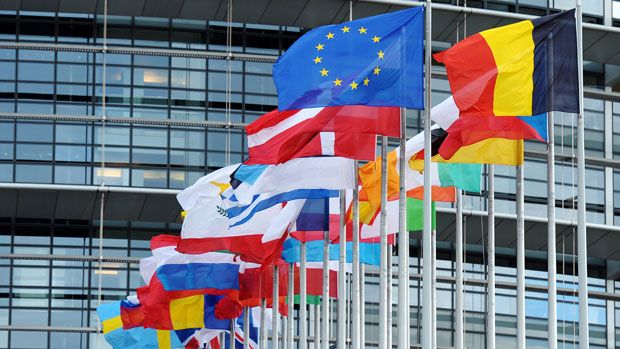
[325,297]
[520,261]
[246,328]
[342,274]
[362,306]
[403,240]
[427,311]
[274,307]
[582,247]
[552,320]
[263,324]
[389,295]
[491,257]
[458,307]
[383,245]
[231,334]
[317,326]
[291,304]
[357,330]
[303,306]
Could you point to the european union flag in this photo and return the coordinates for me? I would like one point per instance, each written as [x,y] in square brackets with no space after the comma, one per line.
[375,61]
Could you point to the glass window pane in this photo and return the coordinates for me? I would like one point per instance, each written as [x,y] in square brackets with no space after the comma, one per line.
[149,178]
[73,73]
[36,152]
[187,158]
[36,71]
[114,75]
[113,154]
[31,132]
[7,70]
[33,173]
[72,153]
[112,176]
[6,151]
[150,77]
[188,79]
[150,137]
[6,131]
[259,84]
[67,133]
[149,156]
[70,174]
[114,135]
[188,139]
[6,172]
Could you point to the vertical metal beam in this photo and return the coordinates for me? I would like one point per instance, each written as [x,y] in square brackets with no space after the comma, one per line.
[491,257]
[427,299]
[520,261]
[263,324]
[317,326]
[325,298]
[231,333]
[582,240]
[552,322]
[342,274]
[289,319]
[389,296]
[357,330]
[246,328]
[458,306]
[403,239]
[275,302]
[303,294]
[611,315]
[362,306]
[383,270]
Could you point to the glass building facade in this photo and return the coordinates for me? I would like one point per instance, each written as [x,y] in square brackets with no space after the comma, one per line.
[166,83]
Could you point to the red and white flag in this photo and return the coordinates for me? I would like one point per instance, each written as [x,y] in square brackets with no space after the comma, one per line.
[345,131]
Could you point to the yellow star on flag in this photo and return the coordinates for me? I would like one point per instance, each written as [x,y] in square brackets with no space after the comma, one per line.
[353,85]
[362,30]
[319,47]
[380,54]
[318,60]
[345,29]
[376,71]
[376,39]
[366,81]
[323,72]
[329,35]
[337,82]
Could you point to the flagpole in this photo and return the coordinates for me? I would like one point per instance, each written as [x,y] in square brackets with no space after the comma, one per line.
[231,337]
[263,324]
[357,330]
[317,326]
[362,305]
[552,321]
[389,295]
[383,269]
[458,307]
[520,261]
[325,297]
[427,312]
[403,239]
[582,247]
[342,286]
[291,304]
[303,307]
[275,302]
[246,328]
[491,257]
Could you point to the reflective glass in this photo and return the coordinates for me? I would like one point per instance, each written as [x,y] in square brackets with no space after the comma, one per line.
[70,174]
[112,176]
[30,276]
[217,81]
[6,151]
[188,79]
[114,75]
[36,55]
[33,173]
[35,340]
[187,158]
[7,70]
[73,73]
[150,77]
[34,132]
[6,131]
[113,154]
[150,137]
[6,172]
[188,139]
[259,84]
[151,61]
[114,135]
[69,133]
[149,156]
[149,178]
[26,90]
[35,152]
[36,71]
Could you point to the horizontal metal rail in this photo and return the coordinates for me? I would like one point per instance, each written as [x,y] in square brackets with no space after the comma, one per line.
[69,258]
[90,188]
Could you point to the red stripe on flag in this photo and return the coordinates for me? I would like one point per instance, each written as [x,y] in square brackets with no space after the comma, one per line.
[473,84]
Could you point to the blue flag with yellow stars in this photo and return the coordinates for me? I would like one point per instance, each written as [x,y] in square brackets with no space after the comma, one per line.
[376,61]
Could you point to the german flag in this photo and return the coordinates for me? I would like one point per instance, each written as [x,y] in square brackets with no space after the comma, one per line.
[522,69]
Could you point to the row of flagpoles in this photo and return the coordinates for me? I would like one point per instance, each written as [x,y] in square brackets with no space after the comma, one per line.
[357,300]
